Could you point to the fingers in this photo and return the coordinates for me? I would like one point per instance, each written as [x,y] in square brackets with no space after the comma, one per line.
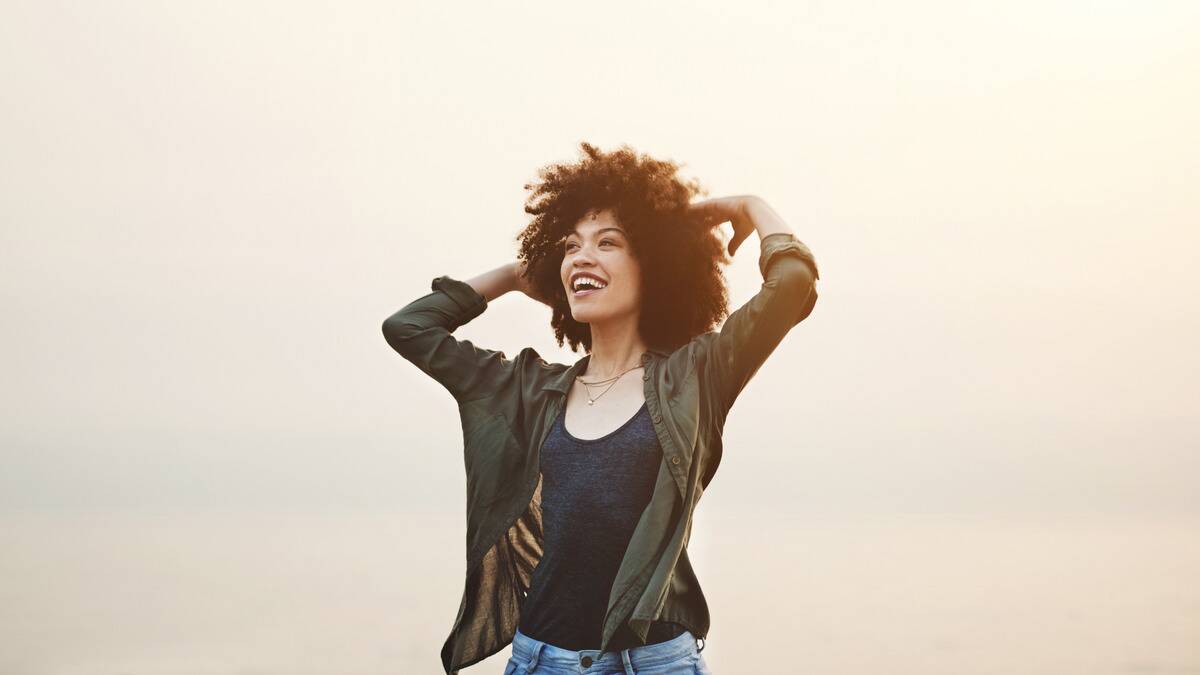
[714,212]
[711,212]
[741,232]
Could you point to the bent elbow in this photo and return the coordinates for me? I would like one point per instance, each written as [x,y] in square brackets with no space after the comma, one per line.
[799,280]
[810,301]
[397,331]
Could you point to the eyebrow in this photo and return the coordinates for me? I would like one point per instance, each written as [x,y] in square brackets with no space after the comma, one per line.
[601,231]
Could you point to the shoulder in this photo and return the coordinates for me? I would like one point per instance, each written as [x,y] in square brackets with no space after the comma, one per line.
[530,358]
[536,373]
[527,377]
[695,353]
[691,364]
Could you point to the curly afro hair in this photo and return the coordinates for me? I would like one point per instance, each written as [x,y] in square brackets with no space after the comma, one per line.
[683,288]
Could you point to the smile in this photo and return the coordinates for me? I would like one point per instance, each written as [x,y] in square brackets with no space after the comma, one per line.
[585,283]
[583,292]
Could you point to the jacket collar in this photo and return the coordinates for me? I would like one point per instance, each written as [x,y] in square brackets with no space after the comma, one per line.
[561,382]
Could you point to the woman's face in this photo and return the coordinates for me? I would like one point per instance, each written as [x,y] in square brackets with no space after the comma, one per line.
[599,248]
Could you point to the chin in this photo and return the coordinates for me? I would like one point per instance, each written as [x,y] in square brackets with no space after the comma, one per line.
[585,316]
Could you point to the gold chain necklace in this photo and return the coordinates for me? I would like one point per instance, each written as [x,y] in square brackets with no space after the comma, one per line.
[612,379]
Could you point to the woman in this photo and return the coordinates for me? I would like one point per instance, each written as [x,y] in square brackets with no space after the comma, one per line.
[582,479]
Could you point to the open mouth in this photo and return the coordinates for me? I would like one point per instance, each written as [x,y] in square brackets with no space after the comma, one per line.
[586,291]
[586,285]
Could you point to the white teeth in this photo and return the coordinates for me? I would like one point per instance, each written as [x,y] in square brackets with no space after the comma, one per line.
[588,281]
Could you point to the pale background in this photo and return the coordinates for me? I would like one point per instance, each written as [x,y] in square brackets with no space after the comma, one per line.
[978,455]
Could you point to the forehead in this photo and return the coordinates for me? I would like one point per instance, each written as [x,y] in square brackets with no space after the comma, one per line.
[596,223]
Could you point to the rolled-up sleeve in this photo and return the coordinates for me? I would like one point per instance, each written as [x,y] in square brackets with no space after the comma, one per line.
[784,243]
[421,332]
[732,355]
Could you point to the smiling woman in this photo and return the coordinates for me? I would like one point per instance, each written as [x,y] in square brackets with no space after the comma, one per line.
[601,275]
[580,500]
[616,210]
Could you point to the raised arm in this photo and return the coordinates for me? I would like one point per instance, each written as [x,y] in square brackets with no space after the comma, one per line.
[732,355]
[422,330]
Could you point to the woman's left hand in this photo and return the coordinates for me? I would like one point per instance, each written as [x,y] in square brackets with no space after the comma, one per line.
[733,210]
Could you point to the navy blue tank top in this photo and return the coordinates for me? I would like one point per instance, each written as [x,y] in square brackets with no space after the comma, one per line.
[593,494]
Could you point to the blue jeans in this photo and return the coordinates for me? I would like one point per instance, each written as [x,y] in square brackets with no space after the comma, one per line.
[678,656]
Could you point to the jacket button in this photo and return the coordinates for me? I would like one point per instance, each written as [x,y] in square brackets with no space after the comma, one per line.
[674,460]
[586,662]
[658,418]
[646,376]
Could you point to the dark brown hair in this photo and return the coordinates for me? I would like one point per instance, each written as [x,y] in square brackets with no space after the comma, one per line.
[683,288]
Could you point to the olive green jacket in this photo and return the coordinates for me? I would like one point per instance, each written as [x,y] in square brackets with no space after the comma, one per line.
[507,407]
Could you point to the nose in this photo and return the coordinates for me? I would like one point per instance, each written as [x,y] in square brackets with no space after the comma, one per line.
[581,262]
[581,268]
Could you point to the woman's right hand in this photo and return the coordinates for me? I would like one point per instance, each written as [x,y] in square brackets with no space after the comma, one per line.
[523,285]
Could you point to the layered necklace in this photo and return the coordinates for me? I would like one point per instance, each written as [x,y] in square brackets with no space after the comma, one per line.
[613,380]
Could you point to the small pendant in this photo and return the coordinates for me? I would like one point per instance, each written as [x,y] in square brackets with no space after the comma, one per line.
[590,401]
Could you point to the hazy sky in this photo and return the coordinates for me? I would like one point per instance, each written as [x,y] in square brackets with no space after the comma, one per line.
[209,209]
[978,454]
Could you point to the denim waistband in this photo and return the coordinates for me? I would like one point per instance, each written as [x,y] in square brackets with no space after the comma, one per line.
[531,649]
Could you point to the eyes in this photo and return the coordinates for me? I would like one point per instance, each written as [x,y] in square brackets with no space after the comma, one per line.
[602,243]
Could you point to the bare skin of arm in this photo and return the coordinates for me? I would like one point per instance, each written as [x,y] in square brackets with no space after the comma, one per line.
[747,213]
[500,280]
[494,282]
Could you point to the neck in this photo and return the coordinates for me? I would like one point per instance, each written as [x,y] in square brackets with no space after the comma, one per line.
[615,349]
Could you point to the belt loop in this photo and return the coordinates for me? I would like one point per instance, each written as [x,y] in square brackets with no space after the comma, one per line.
[626,663]
[533,660]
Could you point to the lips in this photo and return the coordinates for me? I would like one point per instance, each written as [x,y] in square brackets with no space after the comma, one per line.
[586,292]
[586,275]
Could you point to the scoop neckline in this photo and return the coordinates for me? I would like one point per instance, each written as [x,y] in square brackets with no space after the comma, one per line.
[588,441]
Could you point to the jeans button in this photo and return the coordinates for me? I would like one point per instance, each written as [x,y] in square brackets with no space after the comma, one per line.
[586,661]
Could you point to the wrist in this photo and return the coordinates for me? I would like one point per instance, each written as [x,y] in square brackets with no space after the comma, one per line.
[764,218]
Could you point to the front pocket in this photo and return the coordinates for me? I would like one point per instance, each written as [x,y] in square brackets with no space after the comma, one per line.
[511,666]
